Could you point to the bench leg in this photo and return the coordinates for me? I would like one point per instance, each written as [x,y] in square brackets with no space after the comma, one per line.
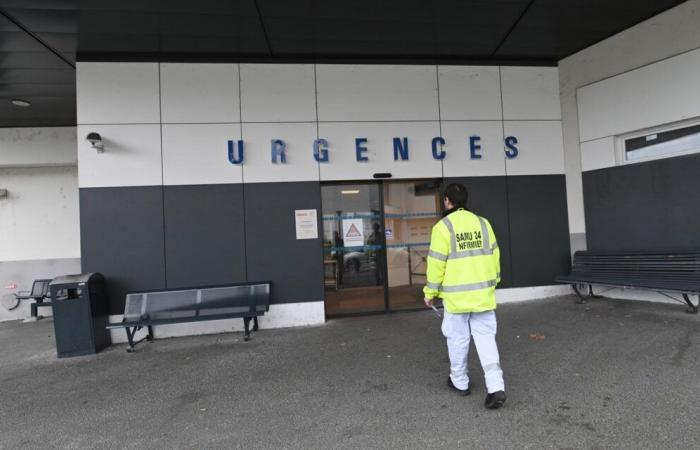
[692,309]
[591,294]
[130,338]
[246,325]
[34,307]
[581,298]
[131,333]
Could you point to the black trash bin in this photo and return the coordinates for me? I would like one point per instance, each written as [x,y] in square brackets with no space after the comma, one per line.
[80,314]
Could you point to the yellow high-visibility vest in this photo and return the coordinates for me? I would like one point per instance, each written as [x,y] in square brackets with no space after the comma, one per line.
[463,263]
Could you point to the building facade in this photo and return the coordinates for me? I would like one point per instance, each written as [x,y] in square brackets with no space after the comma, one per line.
[558,158]
[205,166]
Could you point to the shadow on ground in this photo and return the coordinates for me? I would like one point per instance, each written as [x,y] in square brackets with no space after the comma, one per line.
[608,374]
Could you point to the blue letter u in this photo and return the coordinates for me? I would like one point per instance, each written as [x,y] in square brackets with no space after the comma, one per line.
[233,159]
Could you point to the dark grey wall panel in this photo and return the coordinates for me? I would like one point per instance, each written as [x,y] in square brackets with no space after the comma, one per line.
[539,229]
[204,235]
[295,267]
[121,236]
[145,238]
[487,198]
[645,206]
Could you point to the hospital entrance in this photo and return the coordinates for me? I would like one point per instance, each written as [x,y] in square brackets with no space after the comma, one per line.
[376,237]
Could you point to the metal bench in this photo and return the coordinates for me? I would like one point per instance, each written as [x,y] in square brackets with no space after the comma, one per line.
[670,272]
[39,293]
[147,309]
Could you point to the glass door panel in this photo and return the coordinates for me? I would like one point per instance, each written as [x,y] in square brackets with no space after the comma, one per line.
[410,211]
[354,253]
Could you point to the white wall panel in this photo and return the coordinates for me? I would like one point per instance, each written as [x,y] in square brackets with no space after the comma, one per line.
[39,216]
[279,101]
[131,157]
[653,95]
[458,162]
[514,295]
[113,93]
[380,150]
[36,147]
[598,154]
[531,93]
[198,154]
[469,93]
[540,145]
[23,273]
[299,139]
[199,93]
[278,92]
[364,92]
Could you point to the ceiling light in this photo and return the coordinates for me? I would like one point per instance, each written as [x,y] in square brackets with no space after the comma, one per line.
[20,102]
[353,191]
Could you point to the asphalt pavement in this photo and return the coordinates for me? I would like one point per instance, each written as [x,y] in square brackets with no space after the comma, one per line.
[607,374]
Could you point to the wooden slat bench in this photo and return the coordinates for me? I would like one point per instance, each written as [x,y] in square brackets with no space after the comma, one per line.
[663,272]
[150,308]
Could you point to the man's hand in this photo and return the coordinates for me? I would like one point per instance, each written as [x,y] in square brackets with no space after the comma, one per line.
[428,302]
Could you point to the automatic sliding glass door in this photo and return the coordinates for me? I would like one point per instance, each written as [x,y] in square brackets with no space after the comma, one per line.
[410,211]
[376,238]
[354,252]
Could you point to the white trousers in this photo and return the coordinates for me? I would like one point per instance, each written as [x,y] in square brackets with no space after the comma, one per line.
[458,329]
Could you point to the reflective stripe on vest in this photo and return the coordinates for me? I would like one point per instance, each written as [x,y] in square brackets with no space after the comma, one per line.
[435,286]
[462,287]
[487,250]
[438,256]
[468,287]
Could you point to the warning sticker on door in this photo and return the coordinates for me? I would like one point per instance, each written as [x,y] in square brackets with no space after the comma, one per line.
[353,233]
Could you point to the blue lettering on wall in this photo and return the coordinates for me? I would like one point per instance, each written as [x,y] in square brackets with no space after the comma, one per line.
[438,152]
[401,149]
[511,149]
[474,147]
[278,148]
[321,150]
[360,149]
[232,157]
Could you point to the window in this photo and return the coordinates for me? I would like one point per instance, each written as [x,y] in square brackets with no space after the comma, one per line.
[663,143]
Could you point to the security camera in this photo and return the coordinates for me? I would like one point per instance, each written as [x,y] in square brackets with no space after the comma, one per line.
[96,141]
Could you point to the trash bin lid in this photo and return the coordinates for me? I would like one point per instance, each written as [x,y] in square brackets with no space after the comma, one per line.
[80,278]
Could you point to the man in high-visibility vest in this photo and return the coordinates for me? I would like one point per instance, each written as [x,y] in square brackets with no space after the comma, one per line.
[463,270]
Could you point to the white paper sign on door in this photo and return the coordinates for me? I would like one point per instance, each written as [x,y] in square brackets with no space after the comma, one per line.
[306,223]
[353,233]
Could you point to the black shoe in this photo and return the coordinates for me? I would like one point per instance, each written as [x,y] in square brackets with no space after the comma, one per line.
[462,392]
[495,400]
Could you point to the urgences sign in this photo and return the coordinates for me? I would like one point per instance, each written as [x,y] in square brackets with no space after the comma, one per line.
[321,151]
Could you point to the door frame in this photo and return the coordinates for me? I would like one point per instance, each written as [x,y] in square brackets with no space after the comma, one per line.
[380,183]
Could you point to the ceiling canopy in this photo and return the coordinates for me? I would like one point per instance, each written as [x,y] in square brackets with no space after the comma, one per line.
[40,40]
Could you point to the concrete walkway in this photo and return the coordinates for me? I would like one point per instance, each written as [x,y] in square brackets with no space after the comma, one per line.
[609,374]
